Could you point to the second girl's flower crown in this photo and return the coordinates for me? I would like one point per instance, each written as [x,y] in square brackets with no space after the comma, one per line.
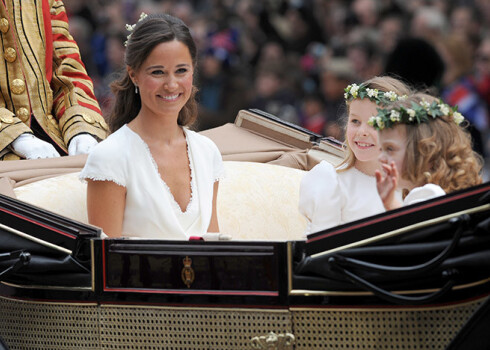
[416,114]
[355,91]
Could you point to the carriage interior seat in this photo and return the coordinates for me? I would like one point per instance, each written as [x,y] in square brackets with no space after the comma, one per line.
[265,159]
[256,201]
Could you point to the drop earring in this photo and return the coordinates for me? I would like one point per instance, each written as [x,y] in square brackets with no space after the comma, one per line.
[136,89]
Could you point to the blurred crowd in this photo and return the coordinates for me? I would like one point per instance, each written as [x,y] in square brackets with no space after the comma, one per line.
[293,58]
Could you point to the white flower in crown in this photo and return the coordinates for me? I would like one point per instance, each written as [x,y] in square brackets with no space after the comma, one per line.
[391,95]
[411,114]
[353,90]
[444,109]
[425,104]
[401,98]
[380,123]
[372,121]
[395,116]
[346,95]
[458,118]
[372,92]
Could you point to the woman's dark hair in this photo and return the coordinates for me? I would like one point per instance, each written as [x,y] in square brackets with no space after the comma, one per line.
[149,32]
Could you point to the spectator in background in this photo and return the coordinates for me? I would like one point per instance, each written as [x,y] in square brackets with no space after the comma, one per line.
[483,7]
[295,26]
[114,60]
[312,114]
[273,96]
[429,23]
[81,30]
[336,75]
[466,23]
[272,54]
[458,88]
[311,63]
[332,17]
[391,30]
[416,62]
[402,35]
[366,12]
[253,37]
[364,58]
[481,76]
[222,92]
[213,83]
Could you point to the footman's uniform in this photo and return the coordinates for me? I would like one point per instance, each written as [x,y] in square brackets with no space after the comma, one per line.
[44,87]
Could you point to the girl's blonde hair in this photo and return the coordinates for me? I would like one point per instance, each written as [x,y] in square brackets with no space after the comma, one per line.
[381,83]
[439,151]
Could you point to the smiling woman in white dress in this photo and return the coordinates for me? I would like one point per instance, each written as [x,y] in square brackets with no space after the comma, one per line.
[332,196]
[153,177]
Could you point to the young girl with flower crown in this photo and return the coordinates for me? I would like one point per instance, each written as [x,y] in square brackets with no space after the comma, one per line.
[424,151]
[332,196]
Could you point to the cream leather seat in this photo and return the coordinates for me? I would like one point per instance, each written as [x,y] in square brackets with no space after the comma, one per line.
[256,201]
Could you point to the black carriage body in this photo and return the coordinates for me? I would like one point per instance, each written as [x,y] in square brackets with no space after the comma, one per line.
[152,294]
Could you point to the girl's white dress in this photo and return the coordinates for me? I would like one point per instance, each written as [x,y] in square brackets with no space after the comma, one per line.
[423,193]
[151,210]
[328,198]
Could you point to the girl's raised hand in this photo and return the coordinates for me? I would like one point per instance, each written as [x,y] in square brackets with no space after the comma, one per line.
[386,184]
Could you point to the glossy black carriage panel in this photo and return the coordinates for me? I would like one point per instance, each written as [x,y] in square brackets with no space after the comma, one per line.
[374,227]
[195,268]
[436,251]
[43,225]
[41,249]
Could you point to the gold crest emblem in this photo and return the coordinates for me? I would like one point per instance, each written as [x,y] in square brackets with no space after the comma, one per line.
[187,272]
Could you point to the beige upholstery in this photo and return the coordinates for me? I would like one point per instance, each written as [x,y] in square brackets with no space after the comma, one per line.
[256,201]
[259,201]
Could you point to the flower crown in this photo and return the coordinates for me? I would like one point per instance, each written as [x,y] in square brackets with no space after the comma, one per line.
[354,91]
[418,113]
[130,27]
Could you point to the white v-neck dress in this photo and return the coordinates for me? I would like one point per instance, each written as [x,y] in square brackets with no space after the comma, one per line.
[151,210]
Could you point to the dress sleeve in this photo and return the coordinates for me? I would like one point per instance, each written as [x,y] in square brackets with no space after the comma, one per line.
[420,194]
[106,163]
[320,198]
[218,167]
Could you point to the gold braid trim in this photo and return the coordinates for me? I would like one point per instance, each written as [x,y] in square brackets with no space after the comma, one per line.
[80,120]
[11,127]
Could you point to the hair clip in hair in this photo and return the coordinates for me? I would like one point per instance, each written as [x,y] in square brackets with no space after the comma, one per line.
[130,27]
[416,114]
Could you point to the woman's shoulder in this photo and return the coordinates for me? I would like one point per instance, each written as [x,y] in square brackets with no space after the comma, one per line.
[110,159]
[115,143]
[117,137]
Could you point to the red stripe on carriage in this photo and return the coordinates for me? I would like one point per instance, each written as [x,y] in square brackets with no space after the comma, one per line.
[69,235]
[386,217]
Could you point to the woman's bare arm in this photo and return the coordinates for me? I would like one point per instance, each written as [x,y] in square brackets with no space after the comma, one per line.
[213,225]
[105,206]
